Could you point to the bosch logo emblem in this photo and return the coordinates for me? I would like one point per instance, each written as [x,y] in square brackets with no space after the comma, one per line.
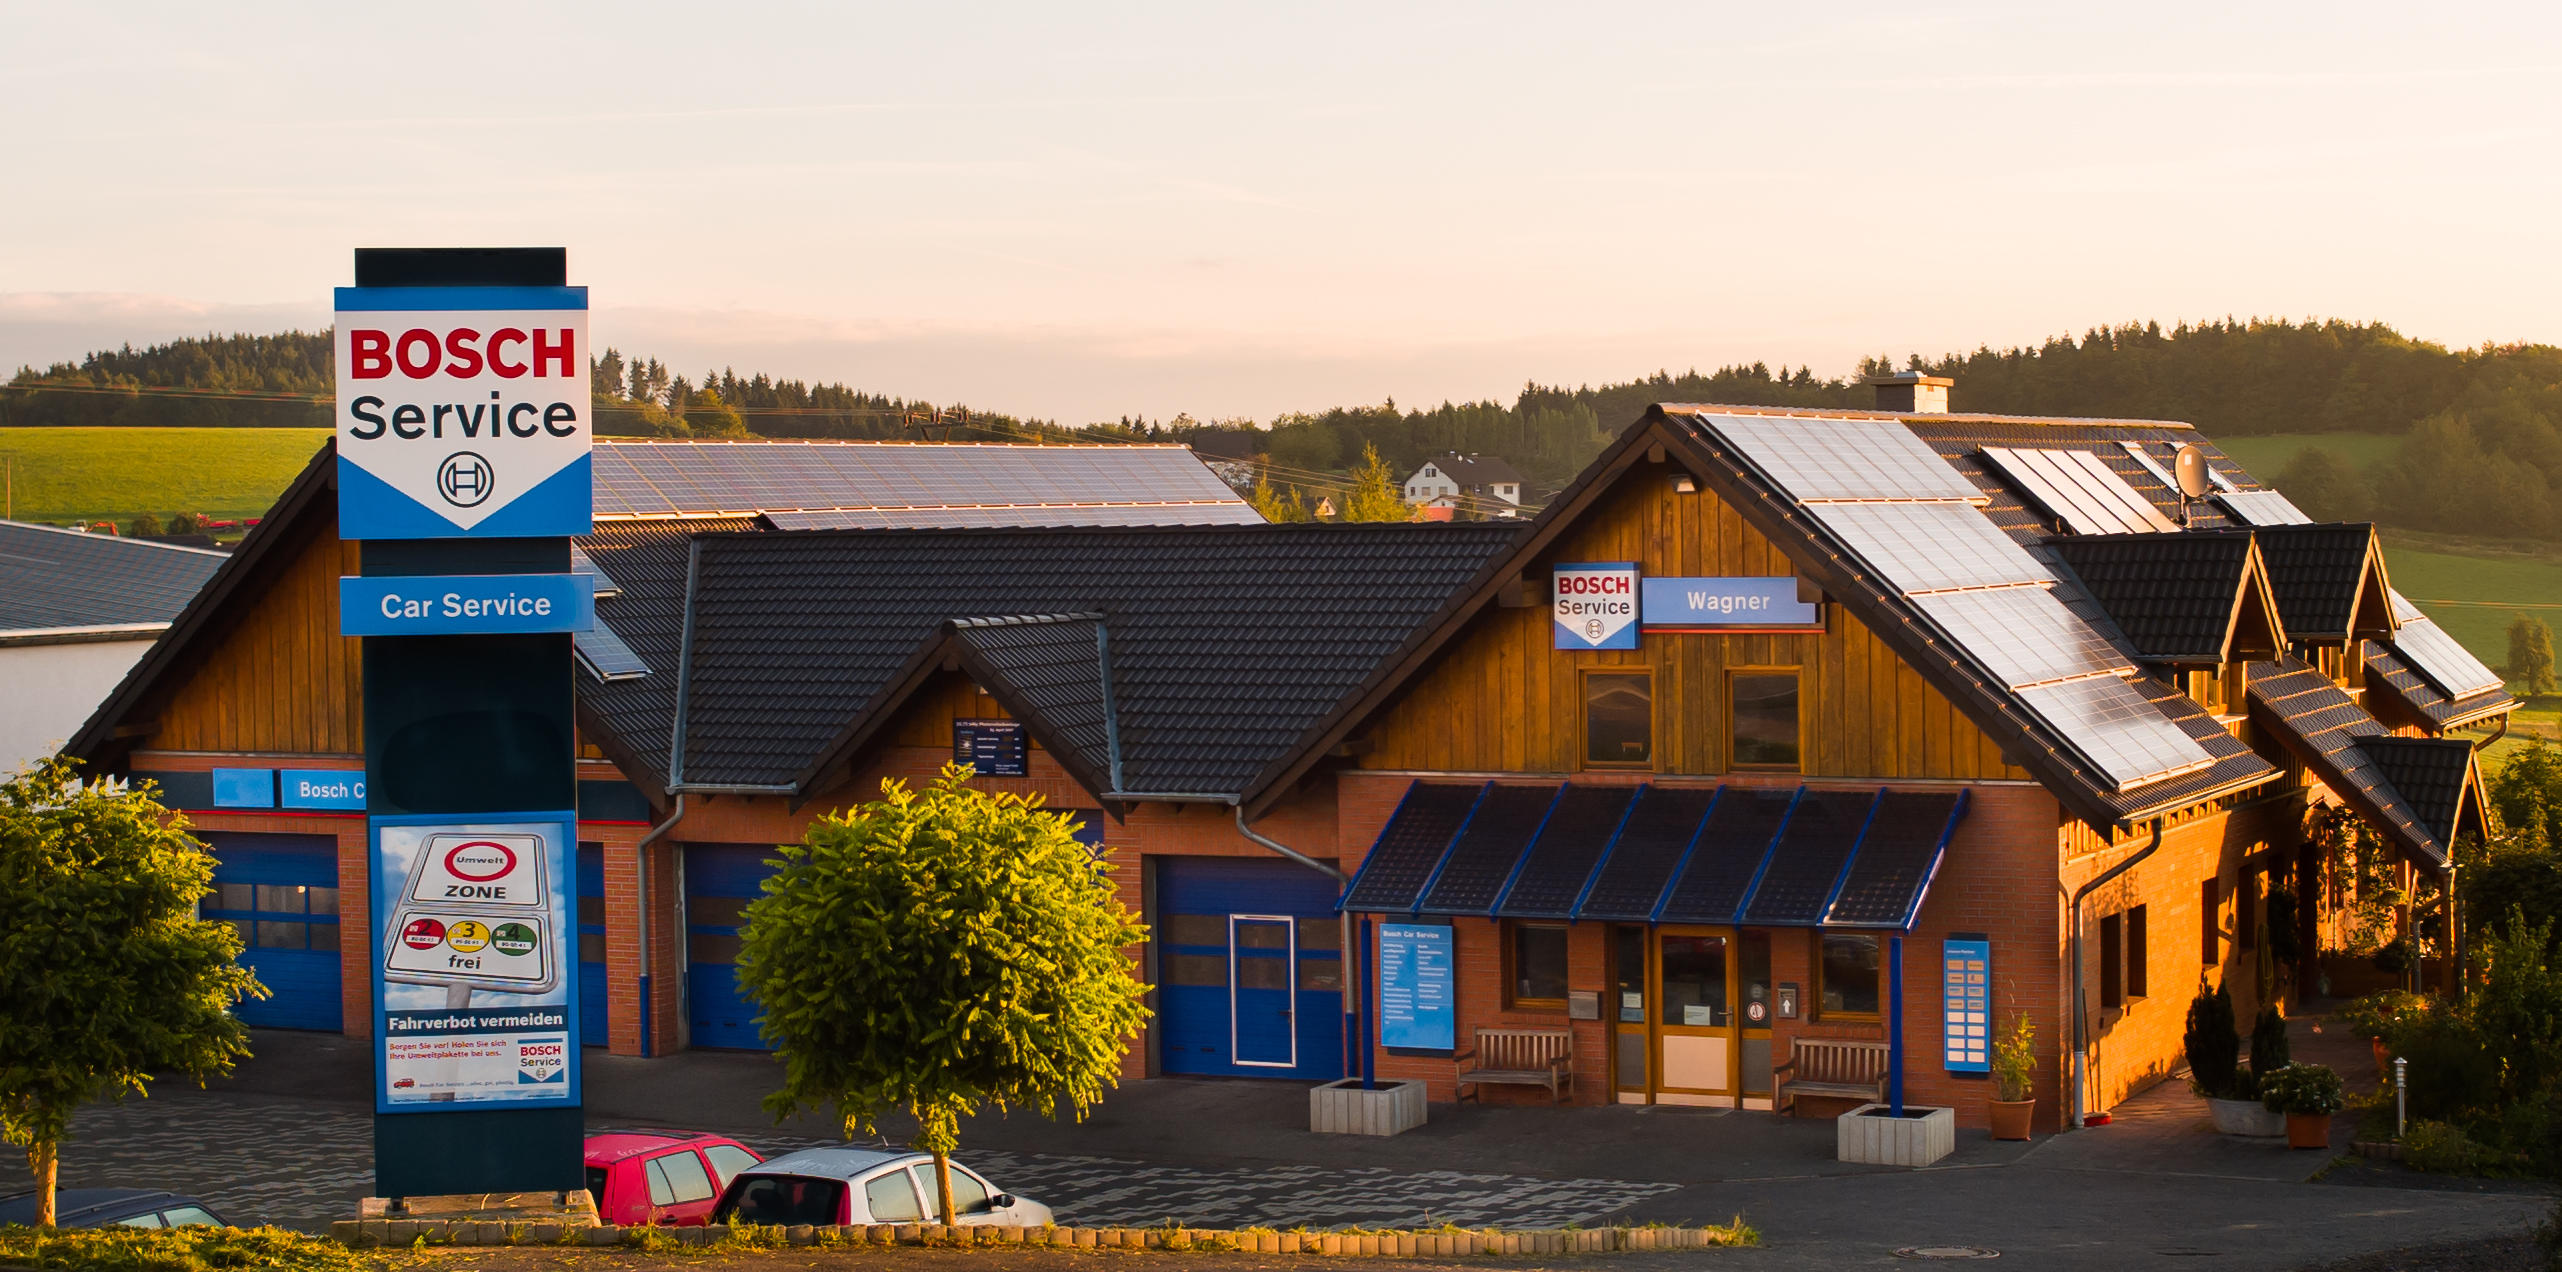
[465,479]
[480,861]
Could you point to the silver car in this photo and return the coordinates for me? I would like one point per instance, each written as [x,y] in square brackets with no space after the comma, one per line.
[865,1185]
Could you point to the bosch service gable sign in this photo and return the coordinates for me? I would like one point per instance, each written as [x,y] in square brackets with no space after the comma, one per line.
[463,412]
[1595,604]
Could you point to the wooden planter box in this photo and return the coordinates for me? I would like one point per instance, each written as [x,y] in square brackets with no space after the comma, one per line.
[1870,1134]
[1343,1108]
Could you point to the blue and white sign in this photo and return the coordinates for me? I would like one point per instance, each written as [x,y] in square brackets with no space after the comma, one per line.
[463,412]
[466,604]
[333,790]
[476,978]
[1595,604]
[1739,604]
[244,788]
[1966,1008]
[1418,999]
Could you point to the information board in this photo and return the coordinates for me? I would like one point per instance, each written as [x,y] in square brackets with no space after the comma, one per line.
[994,748]
[1418,1008]
[475,984]
[1966,1009]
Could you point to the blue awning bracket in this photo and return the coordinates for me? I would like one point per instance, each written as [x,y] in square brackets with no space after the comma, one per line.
[1528,846]
[1369,857]
[1682,866]
[1948,831]
[1446,849]
[1574,913]
[1851,858]
[1743,904]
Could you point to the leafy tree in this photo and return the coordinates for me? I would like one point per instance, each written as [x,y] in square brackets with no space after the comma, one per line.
[1374,495]
[1273,506]
[2531,654]
[145,523]
[2326,486]
[186,523]
[107,977]
[935,951]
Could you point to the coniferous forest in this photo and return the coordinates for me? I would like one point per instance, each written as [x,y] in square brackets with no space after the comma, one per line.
[2476,449]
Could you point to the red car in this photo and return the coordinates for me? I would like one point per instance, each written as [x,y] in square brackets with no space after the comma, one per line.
[672,1178]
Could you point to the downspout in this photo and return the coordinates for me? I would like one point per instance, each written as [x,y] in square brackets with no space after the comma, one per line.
[640,864]
[2496,735]
[2081,1020]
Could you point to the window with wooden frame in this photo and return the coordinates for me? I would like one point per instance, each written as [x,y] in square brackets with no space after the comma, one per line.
[1618,719]
[1848,981]
[1534,966]
[2138,953]
[2210,924]
[2112,962]
[1762,708]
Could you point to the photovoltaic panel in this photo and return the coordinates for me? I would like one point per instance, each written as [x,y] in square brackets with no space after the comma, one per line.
[1729,851]
[2141,455]
[1650,845]
[1410,846]
[2262,508]
[2022,635]
[1187,514]
[605,655]
[1930,547]
[666,478]
[1816,459]
[1806,863]
[2117,729]
[1893,866]
[1486,852]
[606,587]
[2078,489]
[1558,864]
[2439,657]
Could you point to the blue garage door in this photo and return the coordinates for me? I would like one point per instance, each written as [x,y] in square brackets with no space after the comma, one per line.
[720,879]
[592,1029]
[280,892]
[1250,966]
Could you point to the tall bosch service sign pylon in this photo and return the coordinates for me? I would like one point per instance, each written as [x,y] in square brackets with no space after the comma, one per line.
[464,425]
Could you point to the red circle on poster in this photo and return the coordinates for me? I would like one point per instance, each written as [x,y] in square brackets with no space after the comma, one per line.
[423,934]
[480,861]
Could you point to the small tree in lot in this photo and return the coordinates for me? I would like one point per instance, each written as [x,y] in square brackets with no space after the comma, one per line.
[107,977]
[932,952]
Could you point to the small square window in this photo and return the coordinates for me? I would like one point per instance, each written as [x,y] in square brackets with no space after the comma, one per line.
[1537,972]
[1848,979]
[1619,718]
[1765,719]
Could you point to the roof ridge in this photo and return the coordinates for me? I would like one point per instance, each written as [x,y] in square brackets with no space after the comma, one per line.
[113,538]
[1024,620]
[1906,417]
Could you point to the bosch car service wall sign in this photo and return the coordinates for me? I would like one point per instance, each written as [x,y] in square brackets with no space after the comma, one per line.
[1595,605]
[474,982]
[463,412]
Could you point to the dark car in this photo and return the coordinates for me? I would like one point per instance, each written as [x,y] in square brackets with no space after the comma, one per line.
[109,1207]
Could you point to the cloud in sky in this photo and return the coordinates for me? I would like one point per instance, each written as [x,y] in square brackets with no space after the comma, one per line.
[1080,212]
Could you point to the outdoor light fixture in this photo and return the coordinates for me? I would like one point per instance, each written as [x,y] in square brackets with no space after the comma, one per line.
[1684,484]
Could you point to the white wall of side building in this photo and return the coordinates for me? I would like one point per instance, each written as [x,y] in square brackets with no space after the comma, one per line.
[48,691]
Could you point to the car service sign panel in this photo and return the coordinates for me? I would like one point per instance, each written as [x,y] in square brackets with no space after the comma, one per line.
[463,412]
[475,982]
[1595,604]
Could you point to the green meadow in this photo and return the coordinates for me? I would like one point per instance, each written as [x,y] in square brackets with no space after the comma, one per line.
[109,474]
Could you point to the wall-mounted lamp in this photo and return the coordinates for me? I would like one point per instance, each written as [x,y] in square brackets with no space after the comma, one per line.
[1682,484]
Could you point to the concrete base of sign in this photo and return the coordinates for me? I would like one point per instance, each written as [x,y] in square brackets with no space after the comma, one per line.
[1343,1108]
[1875,1136]
[574,1209]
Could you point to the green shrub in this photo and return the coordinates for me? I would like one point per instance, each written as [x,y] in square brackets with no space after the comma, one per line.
[193,1249]
[2302,1088]
[2378,1014]
[2214,1046]
[2442,1149]
[2268,1043]
[2015,1060]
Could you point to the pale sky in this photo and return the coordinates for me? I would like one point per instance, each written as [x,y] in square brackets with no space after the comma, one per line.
[1076,211]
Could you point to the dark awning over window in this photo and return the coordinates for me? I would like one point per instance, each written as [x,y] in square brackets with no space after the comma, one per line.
[1790,856]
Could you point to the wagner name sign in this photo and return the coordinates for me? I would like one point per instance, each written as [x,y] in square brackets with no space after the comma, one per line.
[463,412]
[1734,604]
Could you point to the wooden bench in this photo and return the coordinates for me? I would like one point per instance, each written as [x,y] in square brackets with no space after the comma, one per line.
[1834,1067]
[1520,1057]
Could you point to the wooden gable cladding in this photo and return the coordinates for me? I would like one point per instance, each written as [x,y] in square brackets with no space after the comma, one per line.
[281,680]
[929,716]
[1503,699]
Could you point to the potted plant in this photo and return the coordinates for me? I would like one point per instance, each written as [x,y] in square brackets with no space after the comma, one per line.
[2014,1099]
[2308,1094]
[2376,1017]
[2215,1067]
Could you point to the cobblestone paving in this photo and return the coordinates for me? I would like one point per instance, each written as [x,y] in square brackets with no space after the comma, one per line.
[259,1159]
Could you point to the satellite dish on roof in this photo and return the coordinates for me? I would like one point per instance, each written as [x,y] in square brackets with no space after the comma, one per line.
[2195,479]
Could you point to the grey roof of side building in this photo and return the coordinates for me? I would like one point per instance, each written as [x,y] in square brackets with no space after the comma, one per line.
[1227,643]
[1473,471]
[56,581]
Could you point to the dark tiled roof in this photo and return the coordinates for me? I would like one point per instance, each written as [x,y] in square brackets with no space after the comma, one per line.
[1050,669]
[662,478]
[2173,595]
[62,578]
[646,559]
[1960,439]
[2434,774]
[2326,729]
[2237,767]
[1474,472]
[2387,674]
[2316,572]
[1228,642]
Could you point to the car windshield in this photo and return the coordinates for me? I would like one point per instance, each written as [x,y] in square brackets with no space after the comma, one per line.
[783,1199]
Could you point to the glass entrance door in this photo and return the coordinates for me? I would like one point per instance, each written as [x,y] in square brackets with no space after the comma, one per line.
[1695,1026]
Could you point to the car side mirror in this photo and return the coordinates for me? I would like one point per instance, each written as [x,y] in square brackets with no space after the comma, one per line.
[1001,1201]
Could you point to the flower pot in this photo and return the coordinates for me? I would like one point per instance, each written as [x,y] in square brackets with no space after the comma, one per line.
[2246,1117]
[2010,1118]
[2383,1059]
[2308,1130]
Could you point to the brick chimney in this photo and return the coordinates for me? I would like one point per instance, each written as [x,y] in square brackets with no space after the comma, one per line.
[1912,393]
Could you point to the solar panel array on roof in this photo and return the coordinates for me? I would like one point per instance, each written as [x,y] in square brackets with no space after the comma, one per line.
[1411,845]
[2117,729]
[1718,874]
[2079,490]
[605,655]
[1930,547]
[1820,458]
[606,587]
[2441,658]
[1560,862]
[1127,514]
[668,478]
[2023,635]
[2262,508]
[1481,859]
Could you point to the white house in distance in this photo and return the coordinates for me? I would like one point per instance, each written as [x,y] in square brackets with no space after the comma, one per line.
[1452,479]
[76,612]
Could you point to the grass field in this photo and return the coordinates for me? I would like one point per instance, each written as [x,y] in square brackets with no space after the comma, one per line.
[93,474]
[2266,457]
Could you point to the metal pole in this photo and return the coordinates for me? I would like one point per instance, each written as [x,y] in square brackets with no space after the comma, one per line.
[1369,1067]
[2401,1096]
[1895,1025]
